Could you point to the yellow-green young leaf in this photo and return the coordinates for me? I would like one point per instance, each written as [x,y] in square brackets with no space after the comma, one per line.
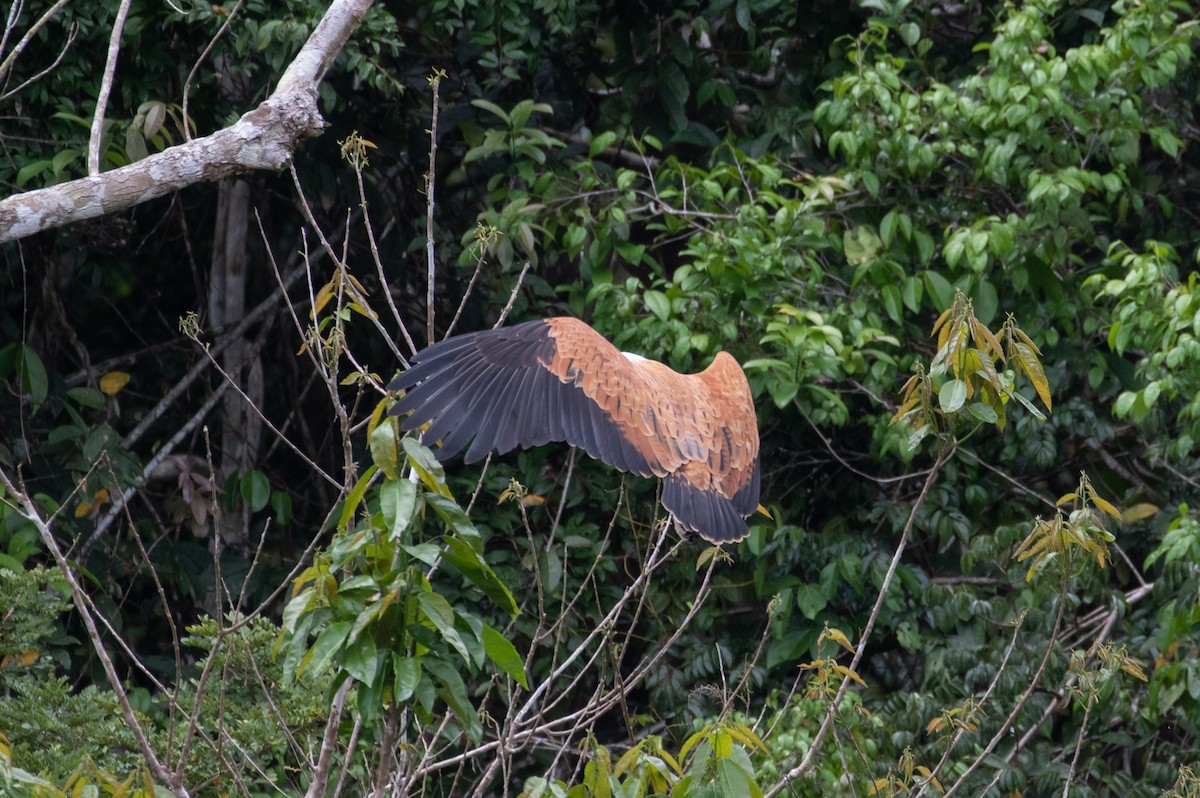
[1140,512]
[628,759]
[350,506]
[748,737]
[927,774]
[1106,506]
[844,671]
[1133,669]
[909,404]
[1067,498]
[985,340]
[360,310]
[722,744]
[1028,362]
[1028,342]
[692,741]
[941,320]
[672,761]
[380,407]
[837,636]
[112,382]
[322,298]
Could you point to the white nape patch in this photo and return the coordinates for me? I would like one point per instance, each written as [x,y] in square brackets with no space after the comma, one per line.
[633,357]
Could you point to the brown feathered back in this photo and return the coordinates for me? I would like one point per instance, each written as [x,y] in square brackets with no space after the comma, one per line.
[559,380]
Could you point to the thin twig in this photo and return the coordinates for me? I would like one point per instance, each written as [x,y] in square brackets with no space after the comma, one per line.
[1078,747]
[430,335]
[831,714]
[7,64]
[71,34]
[110,69]
[961,730]
[187,84]
[512,297]
[1006,727]
[29,510]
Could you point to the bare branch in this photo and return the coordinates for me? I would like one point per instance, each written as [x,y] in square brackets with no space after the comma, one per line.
[7,64]
[110,70]
[264,138]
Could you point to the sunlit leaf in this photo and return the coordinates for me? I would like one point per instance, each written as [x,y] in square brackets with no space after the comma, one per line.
[112,382]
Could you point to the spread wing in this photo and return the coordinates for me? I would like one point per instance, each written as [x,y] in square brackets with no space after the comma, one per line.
[560,380]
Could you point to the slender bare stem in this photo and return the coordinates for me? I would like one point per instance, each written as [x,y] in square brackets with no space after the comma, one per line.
[110,70]
[831,714]
[431,264]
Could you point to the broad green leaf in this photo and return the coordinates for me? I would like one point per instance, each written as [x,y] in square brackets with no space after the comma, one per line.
[453,516]
[34,380]
[891,302]
[383,449]
[985,413]
[407,672]
[426,465]
[441,615]
[328,642]
[361,660]
[505,655]
[940,289]
[350,507]
[952,395]
[87,397]
[658,304]
[256,490]
[398,501]
[463,556]
[454,693]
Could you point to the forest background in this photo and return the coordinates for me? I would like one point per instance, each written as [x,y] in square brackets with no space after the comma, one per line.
[954,244]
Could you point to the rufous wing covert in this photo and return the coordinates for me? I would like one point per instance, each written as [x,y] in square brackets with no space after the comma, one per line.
[560,380]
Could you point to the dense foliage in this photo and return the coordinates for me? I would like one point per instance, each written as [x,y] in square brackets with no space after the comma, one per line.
[953,244]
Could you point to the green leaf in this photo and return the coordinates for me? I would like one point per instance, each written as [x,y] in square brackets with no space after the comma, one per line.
[466,560]
[810,600]
[356,496]
[491,107]
[31,170]
[983,412]
[940,289]
[256,490]
[1030,406]
[454,693]
[1124,403]
[328,642]
[601,142]
[361,660]
[505,655]
[911,292]
[427,466]
[891,301]
[952,395]
[439,612]
[34,380]
[398,501]
[87,397]
[454,516]
[658,304]
[407,672]
[383,448]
